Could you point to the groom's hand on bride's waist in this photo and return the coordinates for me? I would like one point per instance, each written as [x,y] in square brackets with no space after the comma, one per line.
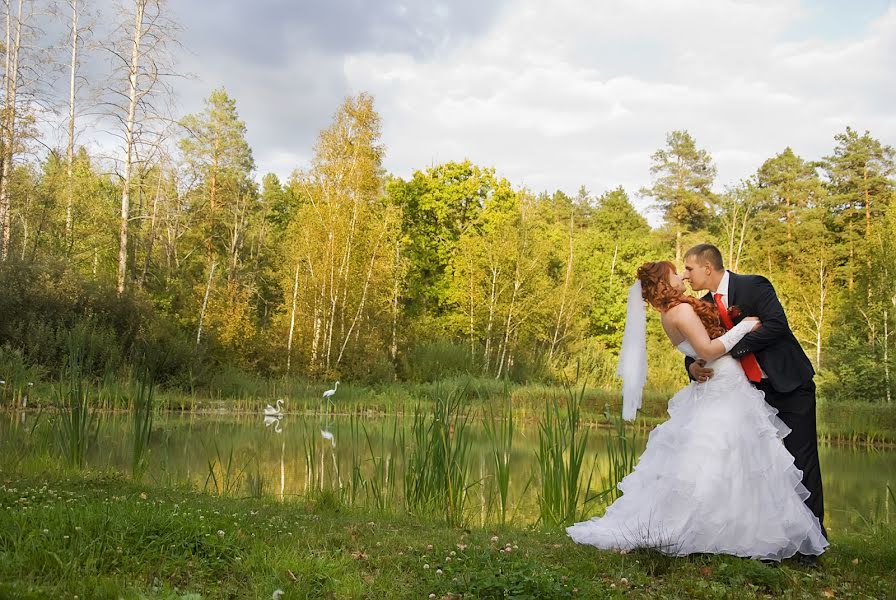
[699,371]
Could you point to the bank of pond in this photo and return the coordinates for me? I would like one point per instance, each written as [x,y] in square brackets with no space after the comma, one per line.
[456,498]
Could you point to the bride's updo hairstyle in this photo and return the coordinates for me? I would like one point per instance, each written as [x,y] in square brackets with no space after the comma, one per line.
[655,288]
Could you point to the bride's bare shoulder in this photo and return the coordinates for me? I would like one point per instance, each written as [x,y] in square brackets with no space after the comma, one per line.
[679,311]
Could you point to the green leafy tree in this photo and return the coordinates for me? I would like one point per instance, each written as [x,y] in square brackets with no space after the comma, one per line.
[438,207]
[338,264]
[617,241]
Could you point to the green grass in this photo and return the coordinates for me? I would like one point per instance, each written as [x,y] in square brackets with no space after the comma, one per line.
[94,535]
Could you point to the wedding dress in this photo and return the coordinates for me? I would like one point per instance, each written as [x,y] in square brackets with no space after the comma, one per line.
[714,478]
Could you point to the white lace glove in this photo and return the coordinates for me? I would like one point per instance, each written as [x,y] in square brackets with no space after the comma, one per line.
[736,334]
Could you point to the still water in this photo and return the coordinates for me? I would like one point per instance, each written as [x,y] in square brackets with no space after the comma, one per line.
[185,447]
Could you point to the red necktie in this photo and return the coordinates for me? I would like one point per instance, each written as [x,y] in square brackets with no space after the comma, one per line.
[748,362]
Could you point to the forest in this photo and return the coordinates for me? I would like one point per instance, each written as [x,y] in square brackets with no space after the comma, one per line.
[168,249]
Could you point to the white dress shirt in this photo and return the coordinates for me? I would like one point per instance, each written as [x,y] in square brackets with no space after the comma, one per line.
[723,289]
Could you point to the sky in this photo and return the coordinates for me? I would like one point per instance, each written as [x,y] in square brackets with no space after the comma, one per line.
[553,95]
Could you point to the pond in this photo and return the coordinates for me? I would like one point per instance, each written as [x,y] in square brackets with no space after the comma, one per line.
[284,457]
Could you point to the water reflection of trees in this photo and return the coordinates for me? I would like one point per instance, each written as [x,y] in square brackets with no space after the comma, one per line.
[855,479]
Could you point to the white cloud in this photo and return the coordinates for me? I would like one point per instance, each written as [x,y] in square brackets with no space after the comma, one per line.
[583,92]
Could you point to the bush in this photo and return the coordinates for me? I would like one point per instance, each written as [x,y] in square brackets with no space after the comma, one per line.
[47,302]
[16,373]
[430,361]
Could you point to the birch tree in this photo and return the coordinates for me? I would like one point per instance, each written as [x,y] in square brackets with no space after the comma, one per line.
[75,35]
[19,73]
[140,51]
[344,237]
[736,210]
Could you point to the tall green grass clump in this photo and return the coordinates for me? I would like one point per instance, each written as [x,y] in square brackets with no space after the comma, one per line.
[621,456]
[373,469]
[499,430]
[17,376]
[142,413]
[437,472]
[224,474]
[561,457]
[76,425]
[256,482]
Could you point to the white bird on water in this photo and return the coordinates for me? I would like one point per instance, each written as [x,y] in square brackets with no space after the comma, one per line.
[270,411]
[329,393]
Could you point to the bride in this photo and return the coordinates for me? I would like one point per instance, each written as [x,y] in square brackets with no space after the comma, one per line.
[716,477]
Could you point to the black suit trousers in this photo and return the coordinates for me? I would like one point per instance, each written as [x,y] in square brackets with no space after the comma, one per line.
[797,410]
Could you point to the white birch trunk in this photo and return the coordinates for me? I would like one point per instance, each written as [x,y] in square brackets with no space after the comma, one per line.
[70,151]
[396,290]
[139,10]
[9,125]
[292,319]
[152,230]
[366,286]
[208,287]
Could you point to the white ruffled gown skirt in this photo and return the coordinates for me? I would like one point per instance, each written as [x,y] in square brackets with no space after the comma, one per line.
[714,478]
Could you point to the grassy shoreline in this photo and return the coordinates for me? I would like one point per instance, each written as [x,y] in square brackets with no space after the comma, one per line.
[841,423]
[99,535]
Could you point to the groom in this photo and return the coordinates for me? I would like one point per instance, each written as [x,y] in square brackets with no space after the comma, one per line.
[771,357]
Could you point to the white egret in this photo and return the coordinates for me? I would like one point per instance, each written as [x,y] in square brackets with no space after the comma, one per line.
[274,412]
[329,393]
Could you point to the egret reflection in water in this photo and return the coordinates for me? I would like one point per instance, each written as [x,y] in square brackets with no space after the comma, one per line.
[325,428]
[328,435]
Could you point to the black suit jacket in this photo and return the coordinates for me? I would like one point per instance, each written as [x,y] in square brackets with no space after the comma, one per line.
[776,348]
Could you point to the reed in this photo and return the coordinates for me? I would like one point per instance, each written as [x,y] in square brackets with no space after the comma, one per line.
[560,456]
[224,474]
[437,468]
[313,481]
[142,413]
[379,487]
[256,482]
[76,424]
[499,430]
[18,378]
[621,458]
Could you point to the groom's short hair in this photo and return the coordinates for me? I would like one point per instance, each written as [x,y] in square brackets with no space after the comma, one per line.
[707,253]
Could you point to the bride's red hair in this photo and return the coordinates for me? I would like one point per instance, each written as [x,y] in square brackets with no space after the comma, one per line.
[656,289]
